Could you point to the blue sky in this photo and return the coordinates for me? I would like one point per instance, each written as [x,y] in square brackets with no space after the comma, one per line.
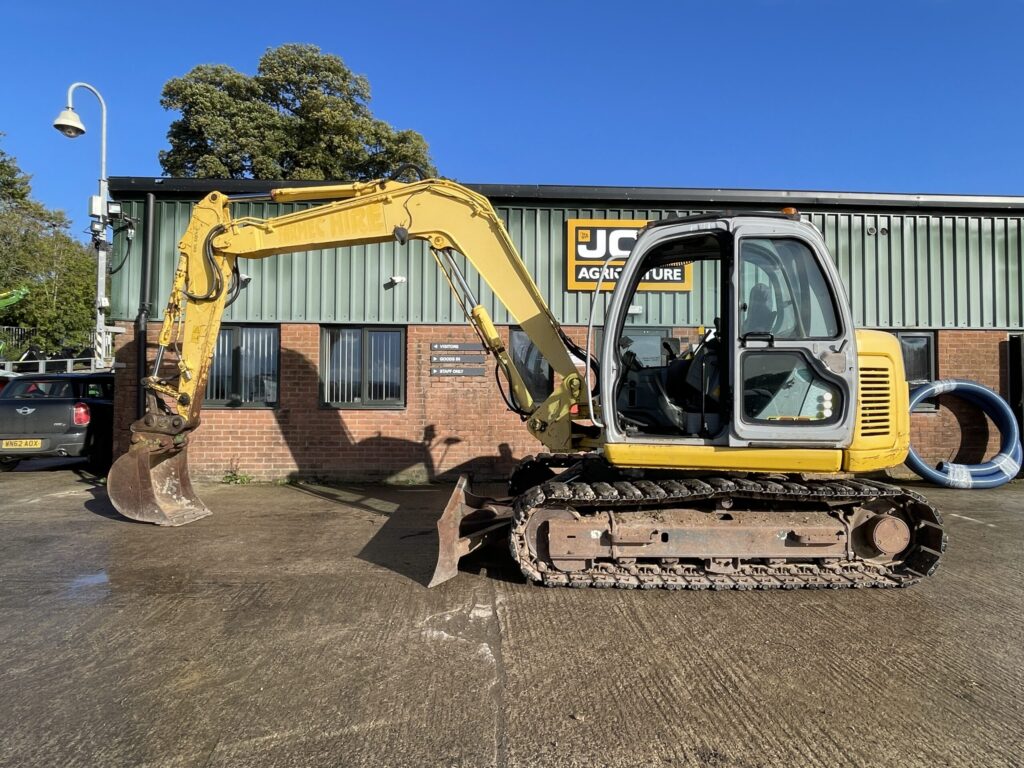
[908,96]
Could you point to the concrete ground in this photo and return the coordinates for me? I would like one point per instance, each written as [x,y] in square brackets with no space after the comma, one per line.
[292,628]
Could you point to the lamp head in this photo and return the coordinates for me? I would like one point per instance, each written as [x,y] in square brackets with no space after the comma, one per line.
[69,124]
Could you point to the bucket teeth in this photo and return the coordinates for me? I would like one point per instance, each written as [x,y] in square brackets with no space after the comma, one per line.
[152,485]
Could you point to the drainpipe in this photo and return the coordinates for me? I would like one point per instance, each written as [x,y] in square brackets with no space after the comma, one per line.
[142,319]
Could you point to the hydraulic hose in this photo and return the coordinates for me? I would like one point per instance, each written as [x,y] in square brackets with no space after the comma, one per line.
[998,470]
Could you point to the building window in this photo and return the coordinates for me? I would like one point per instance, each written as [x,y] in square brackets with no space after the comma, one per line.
[244,371]
[919,361]
[363,367]
[535,370]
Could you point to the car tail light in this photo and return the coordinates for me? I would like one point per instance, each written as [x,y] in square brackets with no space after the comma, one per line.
[81,415]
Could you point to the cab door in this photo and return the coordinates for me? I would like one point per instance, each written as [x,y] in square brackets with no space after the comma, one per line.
[795,362]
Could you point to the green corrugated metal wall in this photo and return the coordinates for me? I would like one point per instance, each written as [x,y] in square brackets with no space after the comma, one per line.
[901,271]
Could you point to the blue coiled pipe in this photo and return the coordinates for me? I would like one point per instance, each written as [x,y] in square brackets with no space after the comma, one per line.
[1001,468]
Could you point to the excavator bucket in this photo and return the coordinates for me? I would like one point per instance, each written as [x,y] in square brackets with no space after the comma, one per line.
[151,484]
[468,523]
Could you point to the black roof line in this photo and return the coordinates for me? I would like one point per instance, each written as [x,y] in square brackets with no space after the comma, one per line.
[122,187]
[717,215]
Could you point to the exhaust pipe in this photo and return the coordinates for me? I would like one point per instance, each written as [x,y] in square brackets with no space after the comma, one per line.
[468,523]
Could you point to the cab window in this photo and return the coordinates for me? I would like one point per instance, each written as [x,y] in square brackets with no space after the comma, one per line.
[783,291]
[782,386]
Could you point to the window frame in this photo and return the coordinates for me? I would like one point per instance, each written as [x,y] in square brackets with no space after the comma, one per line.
[236,372]
[364,404]
[930,405]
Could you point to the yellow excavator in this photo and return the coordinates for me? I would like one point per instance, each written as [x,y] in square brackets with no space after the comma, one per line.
[736,464]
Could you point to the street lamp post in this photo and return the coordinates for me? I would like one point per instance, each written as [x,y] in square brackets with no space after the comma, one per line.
[69,124]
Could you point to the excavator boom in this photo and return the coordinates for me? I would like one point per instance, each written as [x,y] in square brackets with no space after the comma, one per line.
[151,482]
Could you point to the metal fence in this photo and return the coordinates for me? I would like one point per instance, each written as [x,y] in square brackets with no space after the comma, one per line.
[15,337]
[56,365]
[12,335]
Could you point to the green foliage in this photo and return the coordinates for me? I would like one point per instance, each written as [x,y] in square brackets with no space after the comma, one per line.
[14,185]
[304,115]
[39,254]
[234,476]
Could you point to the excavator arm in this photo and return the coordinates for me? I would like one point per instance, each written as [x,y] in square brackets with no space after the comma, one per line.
[151,481]
[10,298]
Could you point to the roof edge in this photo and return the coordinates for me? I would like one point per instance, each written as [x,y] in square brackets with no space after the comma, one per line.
[129,186]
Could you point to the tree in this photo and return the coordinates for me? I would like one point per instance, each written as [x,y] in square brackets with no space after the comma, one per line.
[39,254]
[14,184]
[303,115]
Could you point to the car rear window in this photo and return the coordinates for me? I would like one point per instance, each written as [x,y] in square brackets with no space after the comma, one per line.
[21,389]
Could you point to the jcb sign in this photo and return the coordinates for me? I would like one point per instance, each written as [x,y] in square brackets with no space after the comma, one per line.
[592,242]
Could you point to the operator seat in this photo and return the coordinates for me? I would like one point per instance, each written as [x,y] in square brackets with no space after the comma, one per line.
[760,317]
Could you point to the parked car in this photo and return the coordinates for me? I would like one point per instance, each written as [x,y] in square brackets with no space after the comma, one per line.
[57,414]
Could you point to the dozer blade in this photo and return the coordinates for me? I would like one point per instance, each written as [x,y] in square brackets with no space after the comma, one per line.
[150,483]
[468,523]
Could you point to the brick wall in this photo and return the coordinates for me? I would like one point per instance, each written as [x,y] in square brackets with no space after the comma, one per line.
[448,426]
[454,425]
[959,431]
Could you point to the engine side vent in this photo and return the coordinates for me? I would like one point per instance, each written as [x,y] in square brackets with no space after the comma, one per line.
[875,401]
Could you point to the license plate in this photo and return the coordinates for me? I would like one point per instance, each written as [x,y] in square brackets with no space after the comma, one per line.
[21,444]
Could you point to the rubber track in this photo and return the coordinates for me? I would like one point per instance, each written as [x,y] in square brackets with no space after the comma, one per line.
[929,540]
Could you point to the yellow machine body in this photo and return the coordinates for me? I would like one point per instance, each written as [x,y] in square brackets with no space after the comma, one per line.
[881,434]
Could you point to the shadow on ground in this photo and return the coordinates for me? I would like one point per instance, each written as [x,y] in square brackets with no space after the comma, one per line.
[406,542]
[96,484]
[100,505]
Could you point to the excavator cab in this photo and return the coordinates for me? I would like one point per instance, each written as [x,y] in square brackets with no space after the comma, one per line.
[778,366]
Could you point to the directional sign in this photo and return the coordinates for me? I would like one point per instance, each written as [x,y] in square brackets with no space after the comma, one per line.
[453,346]
[477,359]
[456,371]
